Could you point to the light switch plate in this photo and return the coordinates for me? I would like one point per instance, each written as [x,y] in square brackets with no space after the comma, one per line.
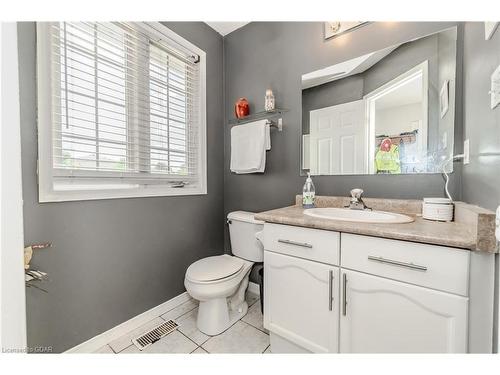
[466,152]
[495,88]
[497,221]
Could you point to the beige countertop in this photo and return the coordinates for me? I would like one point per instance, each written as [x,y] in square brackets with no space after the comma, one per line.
[472,230]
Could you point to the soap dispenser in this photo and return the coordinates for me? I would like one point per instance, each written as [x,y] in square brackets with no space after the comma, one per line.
[308,193]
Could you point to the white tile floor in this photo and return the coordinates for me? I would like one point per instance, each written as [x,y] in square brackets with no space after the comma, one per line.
[245,336]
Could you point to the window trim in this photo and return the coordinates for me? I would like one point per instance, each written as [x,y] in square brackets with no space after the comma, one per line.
[87,191]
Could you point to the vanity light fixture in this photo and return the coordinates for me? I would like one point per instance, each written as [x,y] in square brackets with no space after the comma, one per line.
[489,29]
[336,28]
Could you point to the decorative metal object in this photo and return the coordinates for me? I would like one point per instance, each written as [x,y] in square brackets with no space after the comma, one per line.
[336,28]
[489,29]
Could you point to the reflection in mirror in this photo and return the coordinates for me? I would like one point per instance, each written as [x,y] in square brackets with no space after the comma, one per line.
[386,112]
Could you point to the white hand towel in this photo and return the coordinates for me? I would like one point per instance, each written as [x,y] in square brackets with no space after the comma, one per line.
[248,147]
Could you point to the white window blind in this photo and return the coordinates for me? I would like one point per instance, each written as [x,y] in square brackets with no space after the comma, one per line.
[125,109]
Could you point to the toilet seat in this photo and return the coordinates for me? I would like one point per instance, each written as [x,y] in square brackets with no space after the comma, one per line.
[214,269]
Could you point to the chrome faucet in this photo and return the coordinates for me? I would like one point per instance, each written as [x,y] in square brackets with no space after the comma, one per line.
[356,202]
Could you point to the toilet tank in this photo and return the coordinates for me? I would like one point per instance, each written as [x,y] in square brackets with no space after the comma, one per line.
[242,230]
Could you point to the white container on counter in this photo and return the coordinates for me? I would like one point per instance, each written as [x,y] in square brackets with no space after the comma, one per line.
[437,209]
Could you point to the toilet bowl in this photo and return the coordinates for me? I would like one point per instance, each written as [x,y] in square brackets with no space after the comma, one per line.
[219,282]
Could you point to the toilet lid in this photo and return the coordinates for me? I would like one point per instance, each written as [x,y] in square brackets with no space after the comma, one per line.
[214,268]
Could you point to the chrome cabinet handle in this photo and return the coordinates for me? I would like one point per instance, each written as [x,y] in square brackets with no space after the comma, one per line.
[344,294]
[330,290]
[411,266]
[301,244]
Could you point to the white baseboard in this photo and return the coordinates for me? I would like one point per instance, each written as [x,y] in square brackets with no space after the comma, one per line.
[104,338]
[254,288]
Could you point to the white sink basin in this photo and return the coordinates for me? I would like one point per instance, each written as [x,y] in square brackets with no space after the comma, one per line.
[361,216]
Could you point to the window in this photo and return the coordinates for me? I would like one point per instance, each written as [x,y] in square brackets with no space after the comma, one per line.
[121,112]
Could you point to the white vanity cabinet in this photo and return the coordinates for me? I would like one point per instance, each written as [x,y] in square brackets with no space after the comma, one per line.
[332,292]
[407,297]
[302,303]
[301,295]
[380,315]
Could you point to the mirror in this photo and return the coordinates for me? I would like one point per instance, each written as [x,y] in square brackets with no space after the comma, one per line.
[387,112]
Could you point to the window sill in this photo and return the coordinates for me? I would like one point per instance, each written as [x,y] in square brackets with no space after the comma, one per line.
[98,193]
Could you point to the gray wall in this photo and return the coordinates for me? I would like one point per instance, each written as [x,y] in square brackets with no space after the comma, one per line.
[276,54]
[481,178]
[114,259]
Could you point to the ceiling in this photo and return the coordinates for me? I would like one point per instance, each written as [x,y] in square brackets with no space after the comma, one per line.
[224,28]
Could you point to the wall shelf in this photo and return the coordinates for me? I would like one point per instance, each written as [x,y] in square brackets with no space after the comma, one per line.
[264,115]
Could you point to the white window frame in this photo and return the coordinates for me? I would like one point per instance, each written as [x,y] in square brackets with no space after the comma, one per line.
[88,191]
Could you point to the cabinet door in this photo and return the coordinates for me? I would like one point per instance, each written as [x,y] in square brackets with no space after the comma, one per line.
[385,316]
[301,301]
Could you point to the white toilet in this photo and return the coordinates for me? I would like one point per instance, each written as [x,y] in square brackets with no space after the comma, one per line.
[219,282]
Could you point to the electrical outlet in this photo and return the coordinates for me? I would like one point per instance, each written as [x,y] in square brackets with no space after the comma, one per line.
[466,152]
[497,222]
